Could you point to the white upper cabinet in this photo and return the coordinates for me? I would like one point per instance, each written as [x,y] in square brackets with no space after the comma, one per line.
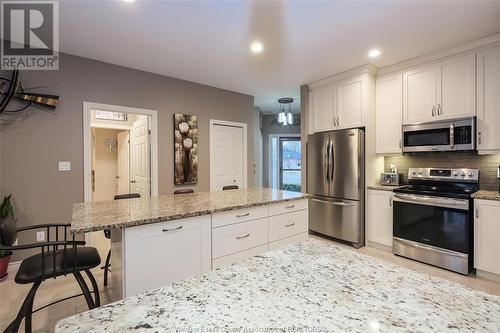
[419,90]
[339,104]
[389,113]
[488,100]
[444,90]
[322,100]
[349,112]
[457,87]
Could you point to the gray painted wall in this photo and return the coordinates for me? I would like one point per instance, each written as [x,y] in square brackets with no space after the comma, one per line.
[487,164]
[268,129]
[30,150]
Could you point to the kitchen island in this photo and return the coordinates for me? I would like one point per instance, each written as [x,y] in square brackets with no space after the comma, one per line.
[309,286]
[172,237]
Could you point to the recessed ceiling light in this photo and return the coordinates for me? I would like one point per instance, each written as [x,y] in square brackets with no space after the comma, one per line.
[256,47]
[129,1]
[375,53]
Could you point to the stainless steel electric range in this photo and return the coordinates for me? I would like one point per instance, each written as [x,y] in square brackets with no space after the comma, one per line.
[433,217]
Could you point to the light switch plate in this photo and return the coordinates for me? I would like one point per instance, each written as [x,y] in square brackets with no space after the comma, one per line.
[64,166]
[40,236]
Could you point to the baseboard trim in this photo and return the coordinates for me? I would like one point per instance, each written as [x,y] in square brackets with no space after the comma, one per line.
[379,246]
[487,275]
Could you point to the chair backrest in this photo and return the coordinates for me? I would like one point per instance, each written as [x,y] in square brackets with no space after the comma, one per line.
[230,187]
[8,231]
[184,191]
[127,196]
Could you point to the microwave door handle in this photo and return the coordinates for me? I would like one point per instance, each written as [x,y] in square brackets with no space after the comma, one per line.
[452,136]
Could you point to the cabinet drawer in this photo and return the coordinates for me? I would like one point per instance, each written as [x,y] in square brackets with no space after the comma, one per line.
[238,215]
[287,207]
[282,243]
[238,237]
[286,225]
[238,256]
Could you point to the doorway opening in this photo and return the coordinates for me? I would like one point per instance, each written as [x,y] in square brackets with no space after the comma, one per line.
[285,162]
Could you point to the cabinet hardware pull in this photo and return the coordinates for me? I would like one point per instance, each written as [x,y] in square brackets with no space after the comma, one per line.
[390,202]
[479,137]
[290,225]
[167,230]
[243,215]
[241,237]
[477,212]
[433,111]
[439,110]
[400,143]
[291,206]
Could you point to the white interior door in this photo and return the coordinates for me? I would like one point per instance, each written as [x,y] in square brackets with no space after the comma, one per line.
[123,163]
[139,157]
[227,165]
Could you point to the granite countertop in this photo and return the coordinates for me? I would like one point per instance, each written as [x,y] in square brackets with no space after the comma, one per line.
[487,195]
[310,286]
[383,187]
[88,217]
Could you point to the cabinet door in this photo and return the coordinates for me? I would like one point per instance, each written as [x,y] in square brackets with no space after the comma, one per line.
[488,99]
[380,217]
[456,91]
[350,111]
[323,108]
[160,253]
[389,114]
[419,95]
[486,231]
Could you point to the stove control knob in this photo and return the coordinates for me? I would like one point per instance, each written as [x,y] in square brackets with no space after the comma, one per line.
[471,174]
[464,174]
[419,172]
[414,172]
[455,174]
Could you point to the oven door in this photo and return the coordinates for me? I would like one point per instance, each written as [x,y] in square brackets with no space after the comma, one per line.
[440,222]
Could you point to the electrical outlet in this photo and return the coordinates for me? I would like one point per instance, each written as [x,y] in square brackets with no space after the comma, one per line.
[40,236]
[64,166]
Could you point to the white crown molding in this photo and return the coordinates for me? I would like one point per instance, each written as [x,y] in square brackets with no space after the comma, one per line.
[470,46]
[368,68]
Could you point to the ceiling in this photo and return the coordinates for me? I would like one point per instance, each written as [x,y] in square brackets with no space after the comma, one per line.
[208,42]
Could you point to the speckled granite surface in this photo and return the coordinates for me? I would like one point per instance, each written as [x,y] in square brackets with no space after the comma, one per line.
[102,215]
[487,195]
[382,187]
[311,285]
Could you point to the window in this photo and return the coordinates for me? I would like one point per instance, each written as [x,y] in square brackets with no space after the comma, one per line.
[289,149]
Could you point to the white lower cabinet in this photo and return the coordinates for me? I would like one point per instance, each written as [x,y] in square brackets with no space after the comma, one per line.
[157,254]
[379,217]
[486,236]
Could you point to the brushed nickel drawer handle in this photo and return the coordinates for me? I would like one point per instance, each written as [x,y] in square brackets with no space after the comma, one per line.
[167,230]
[291,206]
[290,225]
[241,237]
[243,215]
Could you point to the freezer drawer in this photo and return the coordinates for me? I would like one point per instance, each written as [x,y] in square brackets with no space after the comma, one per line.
[337,218]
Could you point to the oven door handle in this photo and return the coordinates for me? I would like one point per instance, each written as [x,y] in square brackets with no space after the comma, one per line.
[461,204]
[452,136]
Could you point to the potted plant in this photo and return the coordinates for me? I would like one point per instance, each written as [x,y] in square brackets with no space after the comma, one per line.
[6,212]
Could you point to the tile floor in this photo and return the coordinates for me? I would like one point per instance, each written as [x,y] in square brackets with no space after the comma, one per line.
[12,294]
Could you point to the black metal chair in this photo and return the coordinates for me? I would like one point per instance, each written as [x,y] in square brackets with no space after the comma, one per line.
[230,187]
[59,256]
[107,234]
[184,191]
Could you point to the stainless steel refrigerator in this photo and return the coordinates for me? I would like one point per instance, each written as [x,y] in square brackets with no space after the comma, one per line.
[336,178]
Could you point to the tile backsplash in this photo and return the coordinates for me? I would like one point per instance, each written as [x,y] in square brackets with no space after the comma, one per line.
[487,164]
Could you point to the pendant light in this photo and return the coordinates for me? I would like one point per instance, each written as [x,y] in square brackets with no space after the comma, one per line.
[285,116]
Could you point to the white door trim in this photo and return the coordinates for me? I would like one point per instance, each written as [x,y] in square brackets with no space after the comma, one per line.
[87,147]
[270,154]
[245,148]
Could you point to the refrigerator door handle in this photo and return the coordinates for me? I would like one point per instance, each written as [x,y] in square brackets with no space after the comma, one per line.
[332,161]
[327,158]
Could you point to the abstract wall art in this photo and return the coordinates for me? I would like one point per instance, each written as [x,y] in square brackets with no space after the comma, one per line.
[185,149]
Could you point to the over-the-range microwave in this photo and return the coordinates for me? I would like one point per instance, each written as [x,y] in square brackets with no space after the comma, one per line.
[446,135]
